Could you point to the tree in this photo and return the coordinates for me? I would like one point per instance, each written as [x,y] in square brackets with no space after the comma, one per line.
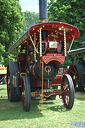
[2,50]
[10,26]
[30,19]
[71,12]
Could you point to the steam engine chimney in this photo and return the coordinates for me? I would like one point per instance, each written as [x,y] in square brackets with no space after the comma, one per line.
[43,14]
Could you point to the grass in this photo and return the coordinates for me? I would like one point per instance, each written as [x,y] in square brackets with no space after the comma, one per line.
[53,114]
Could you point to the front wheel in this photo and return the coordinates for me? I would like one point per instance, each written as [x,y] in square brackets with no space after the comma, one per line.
[68,91]
[26,93]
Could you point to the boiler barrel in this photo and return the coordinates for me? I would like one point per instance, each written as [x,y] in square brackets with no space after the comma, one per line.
[49,71]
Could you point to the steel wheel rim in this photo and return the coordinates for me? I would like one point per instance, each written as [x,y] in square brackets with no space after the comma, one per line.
[8,82]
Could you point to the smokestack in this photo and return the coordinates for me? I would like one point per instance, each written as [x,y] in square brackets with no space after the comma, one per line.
[43,14]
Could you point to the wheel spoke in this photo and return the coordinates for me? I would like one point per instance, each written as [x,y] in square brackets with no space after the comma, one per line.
[72,72]
[67,97]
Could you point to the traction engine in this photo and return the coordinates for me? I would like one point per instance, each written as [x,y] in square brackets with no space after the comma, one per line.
[39,52]
[77,70]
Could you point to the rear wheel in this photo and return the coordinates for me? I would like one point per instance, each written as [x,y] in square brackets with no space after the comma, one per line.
[74,74]
[26,93]
[12,92]
[76,71]
[83,79]
[68,91]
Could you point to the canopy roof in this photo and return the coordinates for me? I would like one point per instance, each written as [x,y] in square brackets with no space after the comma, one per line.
[54,30]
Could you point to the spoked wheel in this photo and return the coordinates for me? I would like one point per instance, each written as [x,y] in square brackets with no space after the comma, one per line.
[76,71]
[68,91]
[74,74]
[12,92]
[26,93]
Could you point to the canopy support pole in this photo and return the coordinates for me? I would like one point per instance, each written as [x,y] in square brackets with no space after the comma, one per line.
[65,42]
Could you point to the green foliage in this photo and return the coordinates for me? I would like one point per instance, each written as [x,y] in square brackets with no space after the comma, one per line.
[71,12]
[30,19]
[10,25]
[2,50]
[12,20]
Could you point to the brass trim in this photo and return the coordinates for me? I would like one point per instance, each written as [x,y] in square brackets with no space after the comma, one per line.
[23,74]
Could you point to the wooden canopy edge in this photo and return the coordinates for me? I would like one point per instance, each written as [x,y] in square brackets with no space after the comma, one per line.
[80,50]
[33,28]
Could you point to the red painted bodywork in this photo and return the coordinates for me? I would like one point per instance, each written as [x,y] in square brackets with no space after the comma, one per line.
[55,32]
[58,58]
[52,27]
[53,57]
[55,82]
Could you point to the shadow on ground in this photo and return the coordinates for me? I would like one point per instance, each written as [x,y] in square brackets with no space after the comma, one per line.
[14,111]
